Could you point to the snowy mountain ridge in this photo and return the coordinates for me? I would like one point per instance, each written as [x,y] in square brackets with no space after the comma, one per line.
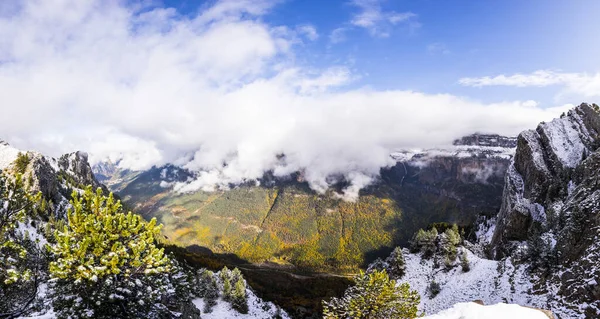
[551,204]
[545,240]
[475,145]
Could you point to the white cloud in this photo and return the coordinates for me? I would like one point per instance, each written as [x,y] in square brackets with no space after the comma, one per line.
[228,9]
[580,84]
[338,35]
[538,78]
[395,18]
[217,88]
[330,78]
[437,48]
[309,31]
[377,21]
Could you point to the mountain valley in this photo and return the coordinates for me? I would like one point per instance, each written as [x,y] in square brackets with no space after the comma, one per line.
[283,221]
[524,213]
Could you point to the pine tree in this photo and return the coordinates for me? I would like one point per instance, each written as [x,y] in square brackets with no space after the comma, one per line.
[21,260]
[425,241]
[107,262]
[200,287]
[237,294]
[448,242]
[434,289]
[15,203]
[239,301]
[418,240]
[541,252]
[453,235]
[21,163]
[464,262]
[181,285]
[374,296]
[226,281]
[236,275]
[397,264]
[211,292]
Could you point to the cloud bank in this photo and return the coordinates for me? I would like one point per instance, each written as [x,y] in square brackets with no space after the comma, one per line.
[582,84]
[218,92]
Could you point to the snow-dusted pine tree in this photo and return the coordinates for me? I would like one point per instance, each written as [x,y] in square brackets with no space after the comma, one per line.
[226,282]
[20,258]
[397,266]
[374,296]
[107,262]
[239,300]
[210,292]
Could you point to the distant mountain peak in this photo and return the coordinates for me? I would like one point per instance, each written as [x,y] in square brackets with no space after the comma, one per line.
[490,140]
[474,145]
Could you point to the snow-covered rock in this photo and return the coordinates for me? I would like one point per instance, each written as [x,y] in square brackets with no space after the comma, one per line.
[539,173]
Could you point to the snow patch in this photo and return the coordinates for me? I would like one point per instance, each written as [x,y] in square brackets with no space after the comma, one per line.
[538,213]
[533,138]
[165,184]
[32,232]
[485,231]
[570,187]
[8,154]
[488,280]
[565,140]
[257,308]
[473,310]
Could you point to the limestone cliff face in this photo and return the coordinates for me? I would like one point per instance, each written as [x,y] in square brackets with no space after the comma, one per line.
[552,195]
[542,172]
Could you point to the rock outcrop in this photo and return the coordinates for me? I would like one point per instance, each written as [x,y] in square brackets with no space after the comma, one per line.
[54,178]
[78,166]
[552,197]
[538,180]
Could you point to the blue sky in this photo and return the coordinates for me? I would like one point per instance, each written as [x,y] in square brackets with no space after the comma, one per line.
[446,41]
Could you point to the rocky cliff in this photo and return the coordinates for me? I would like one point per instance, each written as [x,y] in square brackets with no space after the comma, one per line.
[468,176]
[54,178]
[550,207]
